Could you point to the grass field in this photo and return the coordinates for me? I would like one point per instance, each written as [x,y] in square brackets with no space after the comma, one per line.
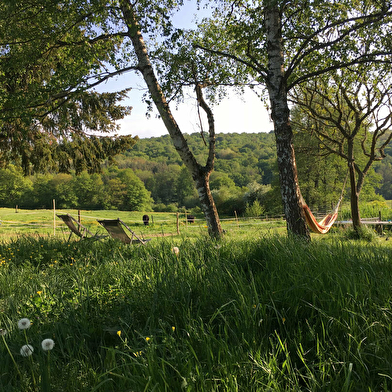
[45,222]
[254,312]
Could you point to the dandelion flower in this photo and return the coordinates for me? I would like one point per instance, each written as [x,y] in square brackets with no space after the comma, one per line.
[119,333]
[173,328]
[24,323]
[148,339]
[175,250]
[26,350]
[47,344]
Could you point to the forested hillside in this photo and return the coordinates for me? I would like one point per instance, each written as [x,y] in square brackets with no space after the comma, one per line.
[151,176]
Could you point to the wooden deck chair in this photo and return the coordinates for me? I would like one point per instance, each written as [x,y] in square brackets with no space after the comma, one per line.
[77,228]
[115,227]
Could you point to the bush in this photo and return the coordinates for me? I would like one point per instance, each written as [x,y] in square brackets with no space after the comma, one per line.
[161,207]
[364,233]
[254,210]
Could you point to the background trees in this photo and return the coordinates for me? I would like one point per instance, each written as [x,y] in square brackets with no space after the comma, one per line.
[321,177]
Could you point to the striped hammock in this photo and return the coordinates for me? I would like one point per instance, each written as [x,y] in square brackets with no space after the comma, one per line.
[326,223]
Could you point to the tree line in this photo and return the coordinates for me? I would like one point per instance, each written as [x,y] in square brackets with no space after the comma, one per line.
[150,176]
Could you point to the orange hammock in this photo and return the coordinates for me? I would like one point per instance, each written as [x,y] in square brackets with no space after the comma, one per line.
[326,223]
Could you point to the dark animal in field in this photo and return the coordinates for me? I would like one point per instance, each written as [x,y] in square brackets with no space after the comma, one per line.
[146,219]
[191,219]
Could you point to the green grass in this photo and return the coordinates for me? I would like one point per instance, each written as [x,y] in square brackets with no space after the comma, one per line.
[45,222]
[261,313]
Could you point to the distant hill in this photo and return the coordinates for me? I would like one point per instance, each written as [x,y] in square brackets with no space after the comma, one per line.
[245,157]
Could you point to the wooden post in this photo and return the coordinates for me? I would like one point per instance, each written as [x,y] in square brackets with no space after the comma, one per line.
[236,218]
[54,217]
[379,227]
[178,223]
[16,209]
[79,217]
[186,218]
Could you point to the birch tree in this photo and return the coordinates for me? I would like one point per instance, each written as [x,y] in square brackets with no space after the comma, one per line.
[286,43]
[200,173]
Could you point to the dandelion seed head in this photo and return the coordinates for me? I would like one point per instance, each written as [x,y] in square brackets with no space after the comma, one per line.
[47,344]
[24,323]
[175,250]
[26,350]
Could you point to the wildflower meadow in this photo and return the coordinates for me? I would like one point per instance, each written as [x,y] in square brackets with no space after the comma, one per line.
[262,313]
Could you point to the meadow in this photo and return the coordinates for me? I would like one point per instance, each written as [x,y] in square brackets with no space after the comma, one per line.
[256,311]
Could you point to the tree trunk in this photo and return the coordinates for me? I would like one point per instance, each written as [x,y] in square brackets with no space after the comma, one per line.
[276,83]
[208,205]
[200,174]
[354,195]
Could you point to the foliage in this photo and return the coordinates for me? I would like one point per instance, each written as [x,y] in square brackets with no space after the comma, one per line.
[156,163]
[47,107]
[254,210]
[235,315]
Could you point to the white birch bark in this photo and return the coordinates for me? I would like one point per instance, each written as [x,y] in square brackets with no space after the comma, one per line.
[276,84]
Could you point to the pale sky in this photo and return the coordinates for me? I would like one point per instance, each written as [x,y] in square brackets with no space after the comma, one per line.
[233,114]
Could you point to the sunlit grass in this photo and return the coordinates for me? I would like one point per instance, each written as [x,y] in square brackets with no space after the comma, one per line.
[254,314]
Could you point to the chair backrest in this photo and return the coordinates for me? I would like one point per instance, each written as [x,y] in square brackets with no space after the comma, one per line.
[115,228]
[80,230]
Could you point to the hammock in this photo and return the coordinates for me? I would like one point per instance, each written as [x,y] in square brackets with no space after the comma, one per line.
[326,223]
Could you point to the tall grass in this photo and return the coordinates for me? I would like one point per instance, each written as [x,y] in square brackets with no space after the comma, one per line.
[261,314]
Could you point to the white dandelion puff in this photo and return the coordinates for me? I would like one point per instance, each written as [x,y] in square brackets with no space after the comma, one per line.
[175,250]
[24,323]
[47,344]
[26,350]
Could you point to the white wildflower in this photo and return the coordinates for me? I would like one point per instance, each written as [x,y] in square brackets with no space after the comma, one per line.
[26,350]
[175,250]
[47,344]
[24,323]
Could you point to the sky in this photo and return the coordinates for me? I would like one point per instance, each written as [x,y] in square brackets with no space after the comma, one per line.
[239,114]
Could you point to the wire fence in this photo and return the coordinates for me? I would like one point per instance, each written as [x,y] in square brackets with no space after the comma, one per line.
[46,222]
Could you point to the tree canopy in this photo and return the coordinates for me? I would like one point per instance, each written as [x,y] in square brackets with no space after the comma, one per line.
[51,55]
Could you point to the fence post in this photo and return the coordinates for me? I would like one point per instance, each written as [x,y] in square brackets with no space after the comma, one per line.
[236,218]
[54,217]
[178,223]
[79,217]
[379,227]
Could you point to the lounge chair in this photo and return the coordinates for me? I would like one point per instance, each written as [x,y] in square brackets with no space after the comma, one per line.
[115,227]
[78,229]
